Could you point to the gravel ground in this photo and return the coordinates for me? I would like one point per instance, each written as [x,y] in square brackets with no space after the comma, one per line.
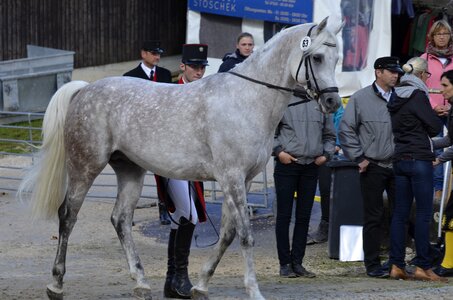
[96,265]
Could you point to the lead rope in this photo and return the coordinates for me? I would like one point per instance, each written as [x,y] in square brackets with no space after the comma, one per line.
[215,230]
[300,93]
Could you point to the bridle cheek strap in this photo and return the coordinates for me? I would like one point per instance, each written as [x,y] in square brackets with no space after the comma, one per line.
[309,69]
[304,57]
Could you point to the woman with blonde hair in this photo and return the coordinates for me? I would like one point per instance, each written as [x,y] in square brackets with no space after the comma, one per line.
[413,123]
[439,55]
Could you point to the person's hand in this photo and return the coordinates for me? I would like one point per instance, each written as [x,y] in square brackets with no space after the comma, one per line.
[441,110]
[363,165]
[436,162]
[286,158]
[320,160]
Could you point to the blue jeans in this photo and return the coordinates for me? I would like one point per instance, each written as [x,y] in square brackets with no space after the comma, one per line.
[413,179]
[288,179]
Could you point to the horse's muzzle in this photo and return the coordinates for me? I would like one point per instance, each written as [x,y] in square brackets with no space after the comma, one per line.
[330,102]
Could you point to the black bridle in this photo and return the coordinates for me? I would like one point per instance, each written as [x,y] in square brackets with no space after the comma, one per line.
[306,94]
[317,93]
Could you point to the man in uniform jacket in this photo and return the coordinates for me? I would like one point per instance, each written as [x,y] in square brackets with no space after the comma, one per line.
[149,70]
[366,137]
[183,198]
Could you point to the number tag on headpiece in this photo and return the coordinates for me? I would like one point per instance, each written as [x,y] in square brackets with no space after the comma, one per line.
[305,43]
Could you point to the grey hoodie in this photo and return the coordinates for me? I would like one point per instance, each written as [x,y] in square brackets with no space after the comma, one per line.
[408,84]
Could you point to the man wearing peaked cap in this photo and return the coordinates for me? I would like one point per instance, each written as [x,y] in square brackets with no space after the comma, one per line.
[152,46]
[184,199]
[391,63]
[194,61]
[366,138]
[148,68]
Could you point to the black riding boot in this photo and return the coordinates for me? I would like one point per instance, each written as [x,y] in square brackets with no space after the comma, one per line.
[181,284]
[170,265]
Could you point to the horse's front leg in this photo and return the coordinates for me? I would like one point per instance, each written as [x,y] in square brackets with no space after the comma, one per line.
[130,183]
[227,234]
[67,214]
[235,219]
[244,231]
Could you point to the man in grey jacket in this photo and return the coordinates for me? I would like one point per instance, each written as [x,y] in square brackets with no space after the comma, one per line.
[366,137]
[304,140]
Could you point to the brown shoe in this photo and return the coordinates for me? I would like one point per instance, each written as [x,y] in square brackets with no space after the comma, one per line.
[437,196]
[399,274]
[428,275]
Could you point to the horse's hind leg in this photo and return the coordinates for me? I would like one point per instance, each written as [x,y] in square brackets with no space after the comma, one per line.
[235,219]
[67,214]
[130,183]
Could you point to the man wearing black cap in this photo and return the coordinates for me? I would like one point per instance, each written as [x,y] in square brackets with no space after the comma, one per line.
[366,137]
[149,70]
[184,199]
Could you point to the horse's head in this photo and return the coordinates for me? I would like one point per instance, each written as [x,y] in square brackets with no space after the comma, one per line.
[313,64]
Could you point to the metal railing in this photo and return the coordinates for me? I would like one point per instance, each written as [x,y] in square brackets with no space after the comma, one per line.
[104,187]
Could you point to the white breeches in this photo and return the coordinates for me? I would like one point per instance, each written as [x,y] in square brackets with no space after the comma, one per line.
[185,207]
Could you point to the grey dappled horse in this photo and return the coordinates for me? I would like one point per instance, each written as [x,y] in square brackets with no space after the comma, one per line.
[217,128]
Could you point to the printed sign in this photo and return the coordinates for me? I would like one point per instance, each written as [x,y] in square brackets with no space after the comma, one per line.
[280,11]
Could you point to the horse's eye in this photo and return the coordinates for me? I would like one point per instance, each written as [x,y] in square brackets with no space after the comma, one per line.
[317,58]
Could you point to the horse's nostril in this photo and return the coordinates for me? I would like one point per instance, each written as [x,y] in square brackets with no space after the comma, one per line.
[332,104]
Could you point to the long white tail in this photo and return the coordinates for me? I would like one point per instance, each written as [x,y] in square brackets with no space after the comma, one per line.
[47,178]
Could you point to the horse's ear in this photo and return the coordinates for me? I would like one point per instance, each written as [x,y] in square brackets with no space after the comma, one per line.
[322,25]
[340,27]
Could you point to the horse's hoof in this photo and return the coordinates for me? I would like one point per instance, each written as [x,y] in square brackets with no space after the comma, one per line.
[199,294]
[54,293]
[142,293]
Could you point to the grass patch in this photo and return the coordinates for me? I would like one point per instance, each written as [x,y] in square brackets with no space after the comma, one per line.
[20,131]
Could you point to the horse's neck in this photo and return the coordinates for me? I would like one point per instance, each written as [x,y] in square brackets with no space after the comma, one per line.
[270,66]
[269,104]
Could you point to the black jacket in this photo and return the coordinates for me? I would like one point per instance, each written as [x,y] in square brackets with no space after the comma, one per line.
[162,74]
[230,60]
[413,122]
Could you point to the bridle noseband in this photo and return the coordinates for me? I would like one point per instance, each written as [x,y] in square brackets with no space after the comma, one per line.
[306,94]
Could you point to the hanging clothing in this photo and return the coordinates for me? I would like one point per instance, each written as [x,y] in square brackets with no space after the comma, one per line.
[400,7]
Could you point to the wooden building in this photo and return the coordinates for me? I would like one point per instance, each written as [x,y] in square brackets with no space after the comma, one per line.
[98,31]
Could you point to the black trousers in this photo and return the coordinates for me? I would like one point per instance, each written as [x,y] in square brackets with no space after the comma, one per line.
[373,183]
[289,179]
